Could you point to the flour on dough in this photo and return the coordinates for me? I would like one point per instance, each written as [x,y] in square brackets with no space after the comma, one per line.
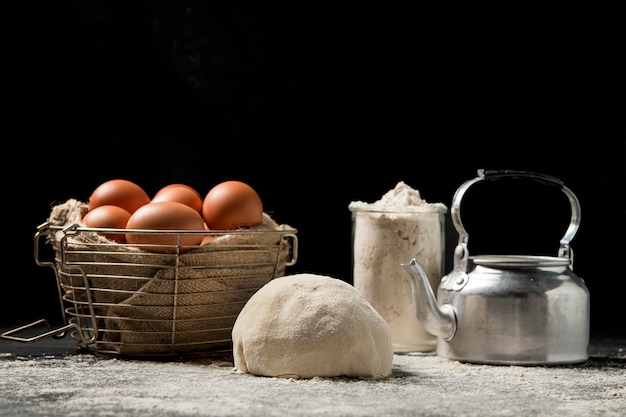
[307,325]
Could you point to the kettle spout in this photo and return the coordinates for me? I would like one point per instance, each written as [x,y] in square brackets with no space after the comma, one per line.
[438,320]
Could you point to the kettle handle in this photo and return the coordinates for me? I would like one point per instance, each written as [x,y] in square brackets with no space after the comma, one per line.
[461,252]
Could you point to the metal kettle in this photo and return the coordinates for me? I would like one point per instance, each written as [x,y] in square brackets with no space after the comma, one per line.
[507,309]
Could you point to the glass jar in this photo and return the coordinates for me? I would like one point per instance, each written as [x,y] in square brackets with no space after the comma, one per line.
[382,240]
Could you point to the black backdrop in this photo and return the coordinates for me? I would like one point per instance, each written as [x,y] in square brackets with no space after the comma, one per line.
[316,107]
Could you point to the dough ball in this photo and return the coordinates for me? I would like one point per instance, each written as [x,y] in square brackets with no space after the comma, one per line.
[308,325]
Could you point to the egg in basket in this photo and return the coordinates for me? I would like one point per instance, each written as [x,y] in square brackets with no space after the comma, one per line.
[157,289]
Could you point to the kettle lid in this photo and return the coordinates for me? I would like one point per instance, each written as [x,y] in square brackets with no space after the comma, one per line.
[519,261]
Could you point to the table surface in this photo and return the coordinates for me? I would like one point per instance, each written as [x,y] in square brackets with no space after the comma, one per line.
[53,377]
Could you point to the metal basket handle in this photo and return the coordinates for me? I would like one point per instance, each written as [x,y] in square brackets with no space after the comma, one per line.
[461,252]
[44,231]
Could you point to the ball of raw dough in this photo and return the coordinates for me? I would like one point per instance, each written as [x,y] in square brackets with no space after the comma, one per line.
[308,325]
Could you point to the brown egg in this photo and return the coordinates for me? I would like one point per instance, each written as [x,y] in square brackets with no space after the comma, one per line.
[182,193]
[108,216]
[232,205]
[206,239]
[165,215]
[119,192]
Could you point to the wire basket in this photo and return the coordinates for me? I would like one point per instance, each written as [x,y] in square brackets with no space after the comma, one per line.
[128,300]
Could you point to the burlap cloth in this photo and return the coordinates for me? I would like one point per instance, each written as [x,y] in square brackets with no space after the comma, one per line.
[149,303]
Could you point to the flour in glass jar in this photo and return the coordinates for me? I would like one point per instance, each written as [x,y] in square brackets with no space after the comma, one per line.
[385,234]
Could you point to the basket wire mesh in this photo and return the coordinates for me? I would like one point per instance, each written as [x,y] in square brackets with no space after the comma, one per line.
[128,300]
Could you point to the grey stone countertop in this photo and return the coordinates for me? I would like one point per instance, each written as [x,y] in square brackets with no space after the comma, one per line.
[53,377]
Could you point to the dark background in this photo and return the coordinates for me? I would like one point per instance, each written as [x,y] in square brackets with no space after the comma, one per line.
[315,107]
